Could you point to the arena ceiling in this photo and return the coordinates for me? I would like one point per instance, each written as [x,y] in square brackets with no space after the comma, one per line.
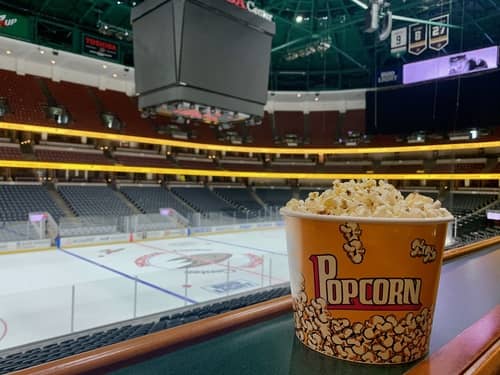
[354,56]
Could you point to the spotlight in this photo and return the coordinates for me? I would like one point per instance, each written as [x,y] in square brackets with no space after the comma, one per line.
[316,98]
[8,52]
[41,51]
[299,19]
[299,95]
[53,62]
[104,66]
[114,75]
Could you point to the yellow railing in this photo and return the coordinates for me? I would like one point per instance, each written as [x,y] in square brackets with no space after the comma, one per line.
[247,174]
[254,149]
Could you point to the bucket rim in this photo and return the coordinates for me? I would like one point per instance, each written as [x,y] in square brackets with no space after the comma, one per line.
[360,219]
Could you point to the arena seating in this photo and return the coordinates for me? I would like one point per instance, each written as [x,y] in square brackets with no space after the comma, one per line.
[354,121]
[71,156]
[91,200]
[126,109]
[240,197]
[241,163]
[262,135]
[290,122]
[202,199]
[324,129]
[463,203]
[293,165]
[24,108]
[403,167]
[143,160]
[447,166]
[10,151]
[17,201]
[83,342]
[76,99]
[149,199]
[274,197]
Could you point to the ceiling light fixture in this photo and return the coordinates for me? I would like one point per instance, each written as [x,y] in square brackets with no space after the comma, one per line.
[8,52]
[53,62]
[299,19]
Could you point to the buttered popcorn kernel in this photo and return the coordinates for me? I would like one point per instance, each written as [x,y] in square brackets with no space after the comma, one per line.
[368,198]
[376,340]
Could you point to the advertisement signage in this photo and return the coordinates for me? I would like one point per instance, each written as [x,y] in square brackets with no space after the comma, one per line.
[390,76]
[102,48]
[15,25]
[451,65]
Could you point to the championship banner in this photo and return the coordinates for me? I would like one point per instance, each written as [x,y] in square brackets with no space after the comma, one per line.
[15,25]
[399,41]
[439,35]
[418,38]
[99,47]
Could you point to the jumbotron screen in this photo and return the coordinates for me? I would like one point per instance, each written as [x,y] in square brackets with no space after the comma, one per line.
[202,52]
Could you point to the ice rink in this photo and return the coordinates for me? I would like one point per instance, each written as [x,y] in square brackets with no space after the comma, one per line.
[51,293]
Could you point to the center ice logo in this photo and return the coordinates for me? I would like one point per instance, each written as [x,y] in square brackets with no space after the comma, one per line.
[365,293]
[3,329]
[7,22]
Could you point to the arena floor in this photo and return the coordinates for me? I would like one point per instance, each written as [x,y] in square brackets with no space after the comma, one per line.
[109,283]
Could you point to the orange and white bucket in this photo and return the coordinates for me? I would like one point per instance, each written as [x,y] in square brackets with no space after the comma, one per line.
[364,289]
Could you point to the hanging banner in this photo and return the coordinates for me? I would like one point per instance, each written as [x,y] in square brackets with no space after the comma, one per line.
[99,47]
[439,35]
[418,38]
[15,25]
[399,41]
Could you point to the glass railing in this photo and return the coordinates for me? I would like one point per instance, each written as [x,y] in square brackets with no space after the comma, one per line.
[30,315]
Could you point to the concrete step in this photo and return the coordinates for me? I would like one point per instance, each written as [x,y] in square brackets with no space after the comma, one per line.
[60,202]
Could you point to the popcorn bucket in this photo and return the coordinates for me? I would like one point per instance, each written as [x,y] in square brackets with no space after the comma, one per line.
[364,289]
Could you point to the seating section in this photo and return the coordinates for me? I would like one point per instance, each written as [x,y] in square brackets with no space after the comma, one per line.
[462,204]
[25,98]
[202,199]
[149,199]
[459,168]
[78,102]
[93,201]
[126,109]
[74,345]
[17,201]
[274,197]
[10,153]
[195,164]
[240,197]
[324,127]
[400,168]
[144,161]
[71,156]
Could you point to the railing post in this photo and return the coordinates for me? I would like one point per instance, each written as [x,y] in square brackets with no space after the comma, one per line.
[72,308]
[135,296]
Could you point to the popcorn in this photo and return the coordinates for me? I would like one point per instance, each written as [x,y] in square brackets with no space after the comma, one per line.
[376,340]
[368,198]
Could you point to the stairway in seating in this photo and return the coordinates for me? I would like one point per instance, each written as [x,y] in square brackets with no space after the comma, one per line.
[54,195]
[135,210]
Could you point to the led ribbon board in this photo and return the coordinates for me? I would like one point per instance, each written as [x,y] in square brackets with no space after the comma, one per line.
[451,65]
